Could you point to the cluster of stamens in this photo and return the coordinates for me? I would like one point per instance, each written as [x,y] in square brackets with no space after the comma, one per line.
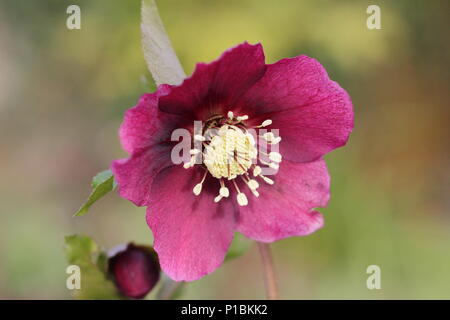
[229,152]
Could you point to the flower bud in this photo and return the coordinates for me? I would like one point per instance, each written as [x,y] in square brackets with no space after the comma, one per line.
[135,270]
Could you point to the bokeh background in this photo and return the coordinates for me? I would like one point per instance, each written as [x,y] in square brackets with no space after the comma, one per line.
[62,97]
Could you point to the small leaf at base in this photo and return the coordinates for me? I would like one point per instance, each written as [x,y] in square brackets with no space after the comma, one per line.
[102,183]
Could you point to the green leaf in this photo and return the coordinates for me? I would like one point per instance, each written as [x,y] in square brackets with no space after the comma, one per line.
[102,183]
[86,254]
[102,262]
[238,247]
[161,59]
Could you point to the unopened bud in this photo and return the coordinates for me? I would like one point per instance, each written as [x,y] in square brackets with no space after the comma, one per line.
[135,270]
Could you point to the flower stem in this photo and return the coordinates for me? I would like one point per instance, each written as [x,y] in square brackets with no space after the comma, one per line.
[169,289]
[269,271]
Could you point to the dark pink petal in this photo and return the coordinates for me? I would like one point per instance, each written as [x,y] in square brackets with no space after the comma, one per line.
[286,208]
[135,175]
[145,133]
[214,87]
[142,125]
[313,113]
[192,233]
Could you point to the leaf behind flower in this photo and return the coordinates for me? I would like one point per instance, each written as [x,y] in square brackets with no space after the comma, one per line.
[161,59]
[83,252]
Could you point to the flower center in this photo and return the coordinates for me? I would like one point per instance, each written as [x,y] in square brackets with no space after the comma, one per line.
[230,151]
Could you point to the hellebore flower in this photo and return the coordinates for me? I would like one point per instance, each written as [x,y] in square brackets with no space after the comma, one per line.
[135,270]
[194,208]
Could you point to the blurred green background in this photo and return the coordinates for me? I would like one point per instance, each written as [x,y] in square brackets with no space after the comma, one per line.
[62,97]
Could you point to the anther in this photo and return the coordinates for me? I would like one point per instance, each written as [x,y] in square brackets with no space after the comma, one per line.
[242,199]
[257,171]
[267,180]
[253,184]
[275,156]
[194,151]
[242,118]
[198,187]
[199,137]
[274,165]
[224,192]
[265,123]
[268,136]
[189,164]
[275,140]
